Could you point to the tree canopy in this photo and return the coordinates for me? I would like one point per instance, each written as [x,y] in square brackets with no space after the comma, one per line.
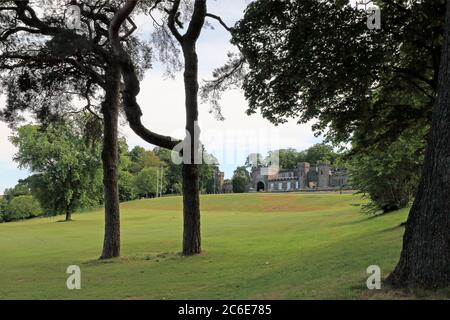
[64,164]
[316,60]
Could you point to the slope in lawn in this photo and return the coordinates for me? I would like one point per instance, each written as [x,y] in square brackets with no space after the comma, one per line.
[276,246]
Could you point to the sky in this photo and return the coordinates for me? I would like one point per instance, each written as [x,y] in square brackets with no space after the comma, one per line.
[162,103]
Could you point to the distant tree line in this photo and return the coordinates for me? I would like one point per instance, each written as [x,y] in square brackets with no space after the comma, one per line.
[66,171]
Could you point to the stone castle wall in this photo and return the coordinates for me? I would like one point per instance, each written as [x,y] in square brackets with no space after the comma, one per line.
[304,177]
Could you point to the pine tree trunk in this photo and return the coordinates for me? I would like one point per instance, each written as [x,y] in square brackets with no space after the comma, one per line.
[191,172]
[425,258]
[110,157]
[191,210]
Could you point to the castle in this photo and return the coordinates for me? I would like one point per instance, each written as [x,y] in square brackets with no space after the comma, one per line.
[305,176]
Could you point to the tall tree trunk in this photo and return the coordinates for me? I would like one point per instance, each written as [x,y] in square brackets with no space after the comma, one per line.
[425,258]
[68,215]
[191,210]
[110,157]
[191,170]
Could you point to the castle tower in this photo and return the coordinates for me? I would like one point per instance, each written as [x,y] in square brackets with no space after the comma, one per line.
[324,174]
[303,169]
[219,179]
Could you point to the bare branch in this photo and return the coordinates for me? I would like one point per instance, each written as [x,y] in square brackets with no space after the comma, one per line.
[213,16]
[173,19]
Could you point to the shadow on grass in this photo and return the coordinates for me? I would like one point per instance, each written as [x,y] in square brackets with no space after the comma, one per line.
[151,257]
[369,218]
[65,221]
[395,228]
[389,293]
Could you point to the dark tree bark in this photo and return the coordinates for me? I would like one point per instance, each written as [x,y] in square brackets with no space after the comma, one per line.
[191,170]
[68,216]
[191,210]
[110,157]
[425,258]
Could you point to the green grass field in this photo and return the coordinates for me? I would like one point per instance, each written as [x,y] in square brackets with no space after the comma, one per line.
[256,246]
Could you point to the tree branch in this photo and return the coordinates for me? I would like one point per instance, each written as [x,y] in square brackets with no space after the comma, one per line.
[213,16]
[172,20]
[197,21]
[133,111]
[414,74]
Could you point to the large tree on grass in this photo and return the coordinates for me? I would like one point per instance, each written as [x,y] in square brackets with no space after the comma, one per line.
[425,258]
[64,164]
[45,65]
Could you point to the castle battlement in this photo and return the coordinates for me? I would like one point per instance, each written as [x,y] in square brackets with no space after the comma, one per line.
[304,177]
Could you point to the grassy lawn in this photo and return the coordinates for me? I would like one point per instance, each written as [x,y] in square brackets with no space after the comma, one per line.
[256,246]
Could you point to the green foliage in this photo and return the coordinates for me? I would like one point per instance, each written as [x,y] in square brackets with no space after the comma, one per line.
[389,177]
[207,178]
[208,168]
[255,160]
[316,60]
[290,158]
[172,172]
[241,180]
[21,189]
[299,54]
[141,158]
[239,184]
[3,204]
[127,188]
[146,182]
[66,168]
[22,207]
[319,152]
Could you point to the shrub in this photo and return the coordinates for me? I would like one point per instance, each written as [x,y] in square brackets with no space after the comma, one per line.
[389,177]
[127,189]
[239,184]
[241,180]
[22,207]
